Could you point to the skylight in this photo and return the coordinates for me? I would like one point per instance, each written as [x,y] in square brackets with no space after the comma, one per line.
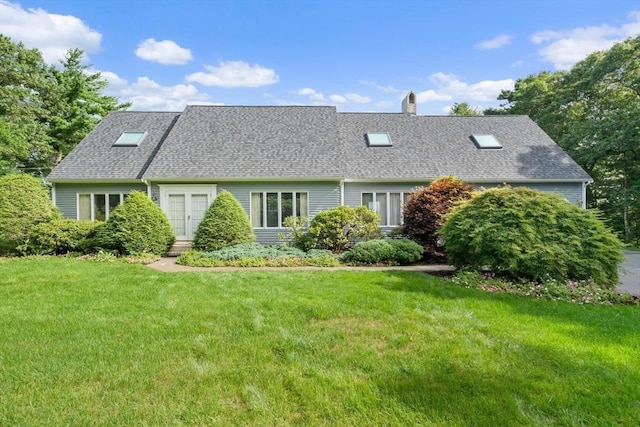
[486,141]
[130,139]
[378,139]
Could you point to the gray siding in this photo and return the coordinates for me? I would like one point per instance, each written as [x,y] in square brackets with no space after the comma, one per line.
[571,191]
[322,196]
[353,190]
[66,195]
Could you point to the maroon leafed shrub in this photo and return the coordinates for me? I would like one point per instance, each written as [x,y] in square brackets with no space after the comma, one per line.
[425,208]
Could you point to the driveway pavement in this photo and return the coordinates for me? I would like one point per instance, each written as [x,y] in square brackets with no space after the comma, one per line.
[630,273]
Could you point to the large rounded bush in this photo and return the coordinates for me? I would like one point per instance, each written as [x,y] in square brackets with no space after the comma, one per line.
[531,235]
[339,228]
[397,251]
[370,252]
[62,236]
[406,251]
[136,226]
[425,208]
[225,224]
[24,202]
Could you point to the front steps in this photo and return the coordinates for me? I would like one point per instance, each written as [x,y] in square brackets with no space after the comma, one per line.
[179,247]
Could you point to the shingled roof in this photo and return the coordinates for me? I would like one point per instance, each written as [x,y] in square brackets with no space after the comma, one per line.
[251,142]
[426,147]
[96,158]
[288,143]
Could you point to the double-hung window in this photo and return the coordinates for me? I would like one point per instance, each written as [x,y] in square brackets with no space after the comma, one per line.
[98,206]
[270,209]
[388,205]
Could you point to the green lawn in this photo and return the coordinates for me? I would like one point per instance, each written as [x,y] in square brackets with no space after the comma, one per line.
[88,343]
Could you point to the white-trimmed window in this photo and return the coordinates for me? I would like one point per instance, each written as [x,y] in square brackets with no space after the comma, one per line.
[98,206]
[388,205]
[269,209]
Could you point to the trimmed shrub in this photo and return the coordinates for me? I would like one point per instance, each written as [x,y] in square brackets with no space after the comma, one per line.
[62,236]
[136,226]
[257,255]
[396,251]
[425,209]
[406,251]
[531,235]
[340,228]
[298,235]
[370,252]
[225,224]
[24,202]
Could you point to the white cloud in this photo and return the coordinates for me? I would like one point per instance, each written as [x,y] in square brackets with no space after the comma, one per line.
[312,94]
[51,33]
[115,82]
[564,48]
[449,87]
[146,94]
[232,74]
[517,64]
[306,91]
[316,97]
[385,89]
[358,99]
[494,43]
[165,52]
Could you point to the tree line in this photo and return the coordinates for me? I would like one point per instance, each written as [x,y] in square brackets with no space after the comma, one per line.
[593,112]
[46,110]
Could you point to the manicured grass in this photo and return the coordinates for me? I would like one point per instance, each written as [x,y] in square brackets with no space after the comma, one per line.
[88,343]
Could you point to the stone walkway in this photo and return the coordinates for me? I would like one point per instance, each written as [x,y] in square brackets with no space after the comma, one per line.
[168,265]
[629,270]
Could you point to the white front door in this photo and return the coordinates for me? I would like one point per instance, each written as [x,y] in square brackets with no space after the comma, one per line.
[185,206]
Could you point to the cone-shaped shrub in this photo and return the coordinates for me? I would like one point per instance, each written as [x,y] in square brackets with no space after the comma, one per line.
[24,202]
[136,226]
[225,224]
[425,209]
[528,234]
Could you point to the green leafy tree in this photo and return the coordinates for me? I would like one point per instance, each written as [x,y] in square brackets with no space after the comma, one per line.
[45,111]
[77,103]
[532,235]
[24,77]
[225,224]
[603,94]
[137,226]
[425,209]
[24,203]
[464,109]
[592,112]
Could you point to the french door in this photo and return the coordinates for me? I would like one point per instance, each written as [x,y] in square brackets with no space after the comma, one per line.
[185,206]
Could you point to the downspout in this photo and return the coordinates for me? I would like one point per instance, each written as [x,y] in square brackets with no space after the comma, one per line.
[53,194]
[342,192]
[584,193]
[148,184]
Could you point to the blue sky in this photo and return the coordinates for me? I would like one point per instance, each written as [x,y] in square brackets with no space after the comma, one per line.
[356,55]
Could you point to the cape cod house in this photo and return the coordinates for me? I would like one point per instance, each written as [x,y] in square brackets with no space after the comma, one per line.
[298,160]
